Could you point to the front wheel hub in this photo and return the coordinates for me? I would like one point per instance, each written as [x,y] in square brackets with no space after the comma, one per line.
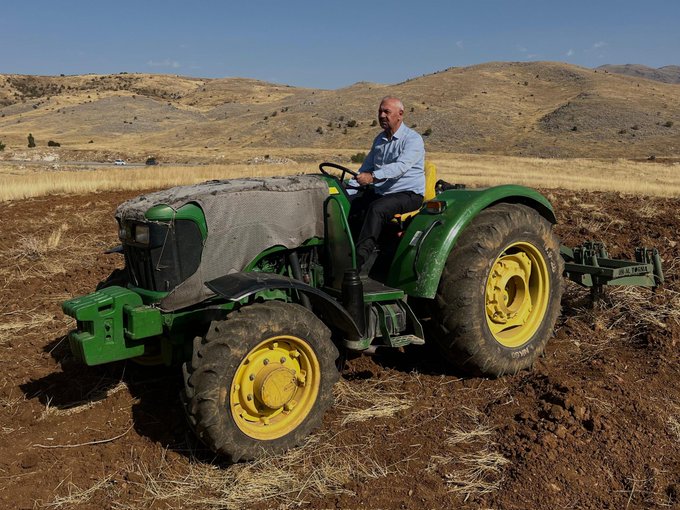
[275,387]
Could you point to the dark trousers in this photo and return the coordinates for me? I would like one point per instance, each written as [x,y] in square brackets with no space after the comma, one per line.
[376,211]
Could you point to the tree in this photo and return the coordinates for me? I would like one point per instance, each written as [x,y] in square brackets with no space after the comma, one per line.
[31,141]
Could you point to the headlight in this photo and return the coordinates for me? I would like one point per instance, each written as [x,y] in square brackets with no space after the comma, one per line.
[124,233]
[142,234]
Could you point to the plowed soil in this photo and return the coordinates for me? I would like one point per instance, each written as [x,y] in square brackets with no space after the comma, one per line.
[595,424]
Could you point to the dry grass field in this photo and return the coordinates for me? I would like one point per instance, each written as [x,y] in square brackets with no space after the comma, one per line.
[595,424]
[19,180]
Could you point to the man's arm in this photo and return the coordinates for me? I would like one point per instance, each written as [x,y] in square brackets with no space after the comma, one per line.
[414,151]
[366,166]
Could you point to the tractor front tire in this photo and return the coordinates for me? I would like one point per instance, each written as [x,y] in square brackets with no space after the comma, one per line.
[260,381]
[499,295]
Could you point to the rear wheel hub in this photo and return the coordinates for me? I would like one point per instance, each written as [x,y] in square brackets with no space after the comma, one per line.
[517,294]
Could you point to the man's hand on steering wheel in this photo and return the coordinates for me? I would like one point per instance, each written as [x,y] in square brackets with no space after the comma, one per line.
[345,170]
[365,178]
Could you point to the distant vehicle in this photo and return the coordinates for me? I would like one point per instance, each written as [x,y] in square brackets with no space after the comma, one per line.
[151,161]
[120,162]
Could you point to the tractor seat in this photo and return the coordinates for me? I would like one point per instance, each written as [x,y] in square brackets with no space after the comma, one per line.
[430,193]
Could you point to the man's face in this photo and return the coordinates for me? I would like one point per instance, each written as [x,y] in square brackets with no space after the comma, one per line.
[390,116]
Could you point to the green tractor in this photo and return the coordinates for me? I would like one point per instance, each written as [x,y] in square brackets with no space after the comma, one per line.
[251,286]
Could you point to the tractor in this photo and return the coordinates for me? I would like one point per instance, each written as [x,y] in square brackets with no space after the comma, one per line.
[251,286]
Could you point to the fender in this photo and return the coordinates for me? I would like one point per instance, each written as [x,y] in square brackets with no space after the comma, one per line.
[238,286]
[421,255]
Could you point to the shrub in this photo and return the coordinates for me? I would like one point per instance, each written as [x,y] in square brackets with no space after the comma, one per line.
[427,132]
[319,130]
[351,123]
[31,141]
[358,157]
[668,123]
[53,144]
[374,123]
[2,146]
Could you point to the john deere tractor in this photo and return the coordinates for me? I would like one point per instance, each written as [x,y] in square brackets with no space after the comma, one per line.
[251,286]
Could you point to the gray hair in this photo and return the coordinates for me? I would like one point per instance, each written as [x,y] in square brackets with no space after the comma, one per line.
[394,99]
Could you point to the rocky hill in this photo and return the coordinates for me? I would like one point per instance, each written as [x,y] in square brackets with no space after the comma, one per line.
[541,109]
[666,74]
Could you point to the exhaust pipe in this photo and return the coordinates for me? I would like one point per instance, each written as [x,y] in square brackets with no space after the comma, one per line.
[353,298]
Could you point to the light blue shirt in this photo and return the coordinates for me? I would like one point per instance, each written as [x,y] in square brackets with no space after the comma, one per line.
[397,163]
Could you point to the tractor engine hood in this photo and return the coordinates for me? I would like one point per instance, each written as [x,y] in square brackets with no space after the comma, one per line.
[243,217]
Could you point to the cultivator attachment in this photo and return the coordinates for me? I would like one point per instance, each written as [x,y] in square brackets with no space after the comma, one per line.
[589,265]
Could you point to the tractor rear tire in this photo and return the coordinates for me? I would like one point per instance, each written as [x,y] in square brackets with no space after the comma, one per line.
[260,381]
[499,295]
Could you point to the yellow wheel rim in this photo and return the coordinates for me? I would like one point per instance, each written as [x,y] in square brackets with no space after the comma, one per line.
[275,387]
[517,294]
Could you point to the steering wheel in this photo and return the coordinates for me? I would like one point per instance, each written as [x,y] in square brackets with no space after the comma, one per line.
[345,170]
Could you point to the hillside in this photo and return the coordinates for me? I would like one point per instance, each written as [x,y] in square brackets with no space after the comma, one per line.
[666,74]
[539,109]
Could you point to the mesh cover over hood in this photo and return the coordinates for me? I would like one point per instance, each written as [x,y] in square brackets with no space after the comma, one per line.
[244,217]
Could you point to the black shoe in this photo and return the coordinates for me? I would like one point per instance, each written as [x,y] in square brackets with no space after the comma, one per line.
[366,267]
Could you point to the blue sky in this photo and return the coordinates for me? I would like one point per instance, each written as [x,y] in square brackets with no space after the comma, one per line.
[329,44]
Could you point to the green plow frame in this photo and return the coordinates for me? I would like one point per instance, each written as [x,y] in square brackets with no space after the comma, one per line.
[589,265]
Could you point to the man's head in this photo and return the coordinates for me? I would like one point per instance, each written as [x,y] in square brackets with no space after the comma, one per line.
[390,114]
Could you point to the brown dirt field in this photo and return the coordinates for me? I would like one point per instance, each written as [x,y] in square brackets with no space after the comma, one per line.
[595,425]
